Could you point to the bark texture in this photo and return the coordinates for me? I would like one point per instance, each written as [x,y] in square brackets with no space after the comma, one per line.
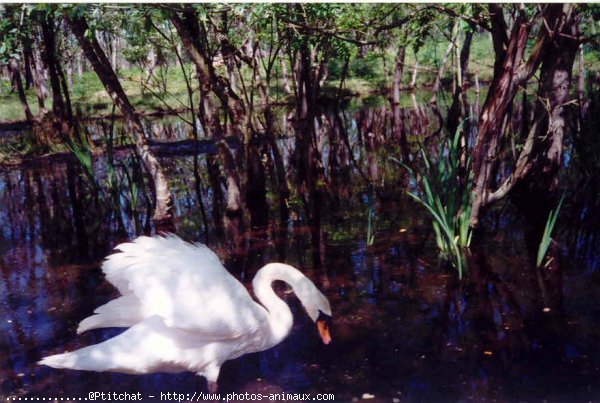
[510,73]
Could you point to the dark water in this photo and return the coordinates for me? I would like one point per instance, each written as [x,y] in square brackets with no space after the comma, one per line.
[404,327]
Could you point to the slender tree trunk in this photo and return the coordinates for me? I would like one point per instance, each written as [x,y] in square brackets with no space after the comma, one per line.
[1,81]
[106,74]
[70,69]
[460,105]
[440,74]
[15,78]
[580,90]
[50,59]
[39,81]
[477,92]
[270,132]
[114,53]
[80,63]
[397,124]
[189,31]
[284,76]
[26,58]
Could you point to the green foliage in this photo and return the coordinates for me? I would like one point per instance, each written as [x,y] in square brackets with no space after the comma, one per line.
[12,31]
[445,191]
[368,67]
[547,235]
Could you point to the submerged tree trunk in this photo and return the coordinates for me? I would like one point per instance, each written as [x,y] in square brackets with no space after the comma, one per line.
[189,31]
[536,173]
[509,73]
[537,166]
[97,58]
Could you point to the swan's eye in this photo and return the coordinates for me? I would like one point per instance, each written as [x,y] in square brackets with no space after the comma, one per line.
[324,317]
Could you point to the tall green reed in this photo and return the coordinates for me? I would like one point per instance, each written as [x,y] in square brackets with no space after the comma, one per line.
[444,183]
[547,235]
[124,179]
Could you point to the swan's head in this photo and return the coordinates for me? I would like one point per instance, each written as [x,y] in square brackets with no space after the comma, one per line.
[316,305]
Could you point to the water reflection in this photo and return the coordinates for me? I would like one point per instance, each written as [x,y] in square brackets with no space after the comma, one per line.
[404,327]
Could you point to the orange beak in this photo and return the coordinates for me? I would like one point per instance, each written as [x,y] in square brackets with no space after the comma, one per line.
[323,329]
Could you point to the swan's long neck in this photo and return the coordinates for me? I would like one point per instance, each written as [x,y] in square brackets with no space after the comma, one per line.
[280,315]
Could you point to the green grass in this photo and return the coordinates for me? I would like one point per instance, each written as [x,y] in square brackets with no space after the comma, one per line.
[89,96]
[10,107]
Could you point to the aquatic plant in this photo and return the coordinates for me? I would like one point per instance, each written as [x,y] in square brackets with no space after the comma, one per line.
[445,192]
[124,179]
[371,218]
[83,153]
[547,235]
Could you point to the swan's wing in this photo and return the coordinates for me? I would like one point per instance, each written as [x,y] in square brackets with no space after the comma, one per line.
[186,285]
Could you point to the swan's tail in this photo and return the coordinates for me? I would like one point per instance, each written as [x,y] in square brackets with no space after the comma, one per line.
[94,358]
[140,349]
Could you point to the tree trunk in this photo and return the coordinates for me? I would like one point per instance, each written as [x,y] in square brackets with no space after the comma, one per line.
[80,63]
[536,172]
[114,53]
[538,163]
[580,90]
[26,58]
[397,124]
[38,78]
[284,76]
[15,78]
[49,54]
[440,74]
[460,105]
[270,132]
[97,58]
[190,32]
[509,73]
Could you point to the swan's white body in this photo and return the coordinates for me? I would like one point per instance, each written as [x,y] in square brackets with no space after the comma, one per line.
[185,312]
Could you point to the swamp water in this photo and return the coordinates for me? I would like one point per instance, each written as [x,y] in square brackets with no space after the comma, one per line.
[403,327]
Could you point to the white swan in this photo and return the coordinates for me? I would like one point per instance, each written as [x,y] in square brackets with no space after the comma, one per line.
[185,312]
